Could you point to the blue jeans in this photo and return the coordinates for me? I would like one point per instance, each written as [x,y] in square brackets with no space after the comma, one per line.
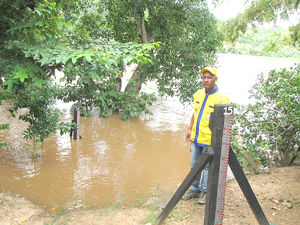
[196,152]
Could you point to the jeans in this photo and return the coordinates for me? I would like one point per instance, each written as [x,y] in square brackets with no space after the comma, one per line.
[196,152]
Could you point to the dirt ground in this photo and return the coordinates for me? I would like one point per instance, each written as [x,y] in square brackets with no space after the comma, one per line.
[275,191]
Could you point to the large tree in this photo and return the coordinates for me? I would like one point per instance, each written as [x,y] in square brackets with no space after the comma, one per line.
[35,41]
[188,37]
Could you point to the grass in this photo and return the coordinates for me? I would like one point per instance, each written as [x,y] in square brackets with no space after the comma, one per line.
[151,216]
[140,202]
[150,211]
[109,208]
[35,207]
[281,198]
[154,194]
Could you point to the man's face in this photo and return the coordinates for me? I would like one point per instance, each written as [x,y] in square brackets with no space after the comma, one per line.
[209,81]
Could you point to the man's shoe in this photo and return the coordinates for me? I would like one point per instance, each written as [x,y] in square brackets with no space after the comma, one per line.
[202,198]
[190,194]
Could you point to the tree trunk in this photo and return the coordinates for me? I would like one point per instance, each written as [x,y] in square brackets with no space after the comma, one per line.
[137,75]
[294,157]
[137,78]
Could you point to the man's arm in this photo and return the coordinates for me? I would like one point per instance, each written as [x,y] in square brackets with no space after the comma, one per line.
[188,133]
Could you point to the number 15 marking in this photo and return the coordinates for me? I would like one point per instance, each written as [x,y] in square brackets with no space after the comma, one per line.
[228,110]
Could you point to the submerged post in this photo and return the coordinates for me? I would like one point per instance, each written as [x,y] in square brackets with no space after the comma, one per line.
[77,121]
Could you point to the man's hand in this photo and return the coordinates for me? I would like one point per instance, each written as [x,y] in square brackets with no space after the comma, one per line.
[188,133]
[188,136]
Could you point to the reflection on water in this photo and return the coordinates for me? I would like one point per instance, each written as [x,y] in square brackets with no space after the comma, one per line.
[116,161]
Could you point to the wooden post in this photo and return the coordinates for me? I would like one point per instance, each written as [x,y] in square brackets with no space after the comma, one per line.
[77,120]
[218,155]
[221,126]
[246,189]
[193,174]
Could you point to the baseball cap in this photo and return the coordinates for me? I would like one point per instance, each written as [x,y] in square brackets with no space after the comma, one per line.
[209,69]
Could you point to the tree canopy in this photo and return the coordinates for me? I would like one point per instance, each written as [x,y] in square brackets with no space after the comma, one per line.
[36,39]
[92,42]
[258,12]
[188,37]
[258,43]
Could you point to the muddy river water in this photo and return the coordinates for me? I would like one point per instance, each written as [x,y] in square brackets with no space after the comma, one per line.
[115,161]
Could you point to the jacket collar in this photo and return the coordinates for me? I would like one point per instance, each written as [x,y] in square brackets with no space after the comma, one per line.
[212,92]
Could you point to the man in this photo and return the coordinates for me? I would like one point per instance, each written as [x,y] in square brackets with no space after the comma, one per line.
[199,133]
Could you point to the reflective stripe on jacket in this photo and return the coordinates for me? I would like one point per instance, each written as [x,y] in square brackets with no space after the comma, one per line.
[203,107]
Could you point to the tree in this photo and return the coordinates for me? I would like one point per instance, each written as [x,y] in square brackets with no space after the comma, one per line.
[34,43]
[260,12]
[42,117]
[270,128]
[254,43]
[188,35]
[188,41]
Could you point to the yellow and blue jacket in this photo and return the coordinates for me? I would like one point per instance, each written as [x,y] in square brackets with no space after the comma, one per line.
[203,107]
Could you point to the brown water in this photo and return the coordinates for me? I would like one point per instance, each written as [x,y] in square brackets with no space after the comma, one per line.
[115,161]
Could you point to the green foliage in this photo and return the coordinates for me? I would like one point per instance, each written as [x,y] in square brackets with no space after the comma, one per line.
[151,217]
[96,90]
[132,104]
[3,127]
[269,129]
[140,202]
[39,43]
[259,12]
[281,198]
[188,35]
[263,42]
[36,41]
[43,120]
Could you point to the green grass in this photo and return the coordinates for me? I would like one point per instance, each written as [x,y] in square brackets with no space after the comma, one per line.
[151,216]
[108,208]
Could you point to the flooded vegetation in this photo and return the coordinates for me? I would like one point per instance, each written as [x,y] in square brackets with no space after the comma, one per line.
[115,161]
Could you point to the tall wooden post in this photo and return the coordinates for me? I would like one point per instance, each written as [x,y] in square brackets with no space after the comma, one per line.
[218,155]
[221,126]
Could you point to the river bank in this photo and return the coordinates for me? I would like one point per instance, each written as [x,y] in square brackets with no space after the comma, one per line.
[274,190]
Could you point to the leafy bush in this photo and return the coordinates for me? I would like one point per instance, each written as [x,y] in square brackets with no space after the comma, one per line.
[269,129]
[42,117]
[92,86]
